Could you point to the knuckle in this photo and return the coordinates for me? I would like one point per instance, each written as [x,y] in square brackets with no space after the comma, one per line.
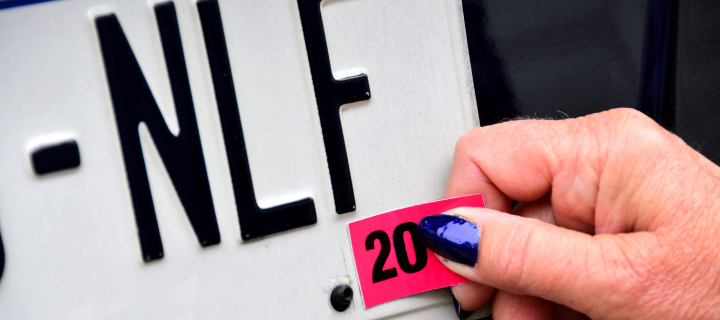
[625,119]
[464,140]
[628,114]
[465,144]
[641,136]
[633,121]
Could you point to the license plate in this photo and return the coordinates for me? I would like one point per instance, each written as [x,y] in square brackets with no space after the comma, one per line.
[201,160]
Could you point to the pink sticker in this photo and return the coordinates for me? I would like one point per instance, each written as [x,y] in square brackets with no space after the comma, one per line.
[388,265]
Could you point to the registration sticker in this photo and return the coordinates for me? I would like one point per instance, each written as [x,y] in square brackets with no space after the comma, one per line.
[391,261]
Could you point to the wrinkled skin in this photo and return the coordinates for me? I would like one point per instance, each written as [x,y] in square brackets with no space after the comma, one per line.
[618,219]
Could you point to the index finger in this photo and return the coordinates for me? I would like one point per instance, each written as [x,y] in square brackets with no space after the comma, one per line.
[524,160]
[503,161]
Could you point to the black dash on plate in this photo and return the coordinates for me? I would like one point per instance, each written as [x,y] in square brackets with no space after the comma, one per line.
[57,157]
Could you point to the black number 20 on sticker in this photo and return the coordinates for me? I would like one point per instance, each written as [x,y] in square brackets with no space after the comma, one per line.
[378,274]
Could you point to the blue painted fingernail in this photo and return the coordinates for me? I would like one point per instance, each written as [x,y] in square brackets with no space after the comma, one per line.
[462,314]
[451,237]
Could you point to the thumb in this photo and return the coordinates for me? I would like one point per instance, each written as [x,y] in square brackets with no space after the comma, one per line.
[530,257]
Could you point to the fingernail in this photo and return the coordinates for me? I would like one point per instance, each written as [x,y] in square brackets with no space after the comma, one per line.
[451,237]
[462,314]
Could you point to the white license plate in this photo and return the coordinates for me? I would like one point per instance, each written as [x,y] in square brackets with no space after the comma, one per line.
[81,242]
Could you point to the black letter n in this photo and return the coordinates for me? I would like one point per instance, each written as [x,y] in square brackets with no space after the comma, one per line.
[182,155]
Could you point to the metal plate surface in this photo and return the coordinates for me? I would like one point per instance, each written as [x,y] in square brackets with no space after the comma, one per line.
[70,237]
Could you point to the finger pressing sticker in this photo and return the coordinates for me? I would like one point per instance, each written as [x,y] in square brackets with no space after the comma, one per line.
[391,261]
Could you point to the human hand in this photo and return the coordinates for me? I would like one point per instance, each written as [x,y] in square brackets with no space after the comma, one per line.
[617,220]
